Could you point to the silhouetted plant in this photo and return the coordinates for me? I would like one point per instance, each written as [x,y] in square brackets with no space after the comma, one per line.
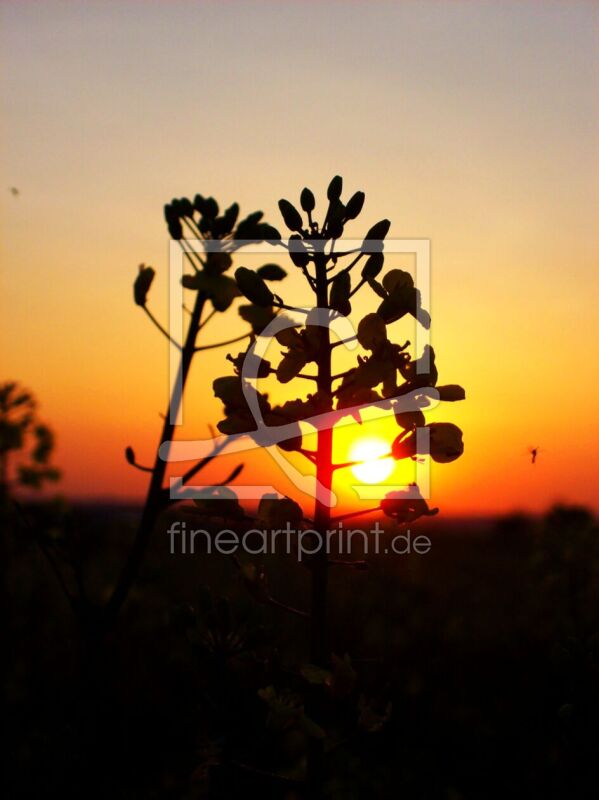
[384,373]
[26,443]
[312,249]
[207,283]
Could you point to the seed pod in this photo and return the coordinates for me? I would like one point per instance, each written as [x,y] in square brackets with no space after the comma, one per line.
[142,284]
[291,215]
[354,205]
[335,188]
[307,200]
[373,265]
[375,236]
[210,208]
[199,203]
[175,229]
[340,291]
[451,393]
[185,207]
[272,272]
[267,233]
[253,287]
[230,217]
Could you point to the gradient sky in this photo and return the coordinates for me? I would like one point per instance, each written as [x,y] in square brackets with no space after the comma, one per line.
[472,124]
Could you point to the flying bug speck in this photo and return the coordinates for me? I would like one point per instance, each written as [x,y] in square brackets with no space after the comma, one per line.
[533,452]
[14,191]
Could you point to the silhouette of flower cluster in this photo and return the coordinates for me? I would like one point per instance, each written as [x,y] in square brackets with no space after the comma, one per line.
[384,373]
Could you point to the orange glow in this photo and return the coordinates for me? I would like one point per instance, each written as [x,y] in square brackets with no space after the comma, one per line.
[373,468]
[470,150]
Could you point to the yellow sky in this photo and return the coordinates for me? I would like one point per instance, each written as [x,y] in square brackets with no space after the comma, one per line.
[472,125]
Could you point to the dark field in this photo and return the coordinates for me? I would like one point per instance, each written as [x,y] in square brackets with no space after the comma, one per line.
[472,672]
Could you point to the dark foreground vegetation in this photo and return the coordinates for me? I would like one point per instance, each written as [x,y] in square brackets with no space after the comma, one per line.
[471,672]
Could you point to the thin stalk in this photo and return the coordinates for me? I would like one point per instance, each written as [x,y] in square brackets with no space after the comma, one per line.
[352,514]
[222,344]
[324,475]
[319,647]
[161,328]
[155,502]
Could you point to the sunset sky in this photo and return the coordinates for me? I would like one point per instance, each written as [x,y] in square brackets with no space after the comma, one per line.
[473,125]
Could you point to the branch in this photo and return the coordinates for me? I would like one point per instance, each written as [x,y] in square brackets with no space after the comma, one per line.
[349,266]
[160,328]
[232,475]
[265,596]
[281,304]
[190,254]
[289,609]
[187,476]
[309,278]
[357,287]
[353,564]
[355,514]
[299,375]
[190,222]
[345,464]
[343,253]
[309,454]
[130,458]
[222,344]
[342,374]
[208,318]
[343,341]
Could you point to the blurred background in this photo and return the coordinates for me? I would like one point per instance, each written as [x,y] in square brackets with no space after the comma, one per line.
[472,125]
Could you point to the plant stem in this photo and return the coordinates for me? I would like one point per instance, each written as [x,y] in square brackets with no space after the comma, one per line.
[319,648]
[324,473]
[223,344]
[155,497]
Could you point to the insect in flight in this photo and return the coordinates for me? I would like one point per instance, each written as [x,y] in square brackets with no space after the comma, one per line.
[533,452]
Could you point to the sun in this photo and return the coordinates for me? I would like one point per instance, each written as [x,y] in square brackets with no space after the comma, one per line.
[373,468]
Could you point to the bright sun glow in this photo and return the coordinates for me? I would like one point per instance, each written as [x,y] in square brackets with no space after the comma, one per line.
[373,469]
